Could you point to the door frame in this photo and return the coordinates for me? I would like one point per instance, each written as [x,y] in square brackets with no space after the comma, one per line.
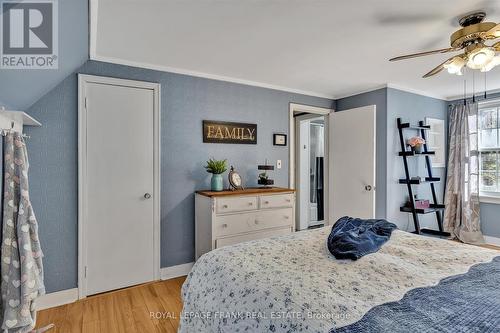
[320,111]
[83,80]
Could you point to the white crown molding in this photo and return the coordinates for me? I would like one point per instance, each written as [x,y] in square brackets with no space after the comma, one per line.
[415,91]
[57,298]
[207,76]
[392,86]
[172,272]
[459,97]
[359,92]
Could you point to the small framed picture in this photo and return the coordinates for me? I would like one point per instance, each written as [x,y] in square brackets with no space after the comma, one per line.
[279,139]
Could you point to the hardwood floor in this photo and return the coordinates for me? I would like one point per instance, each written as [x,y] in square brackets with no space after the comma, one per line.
[127,310]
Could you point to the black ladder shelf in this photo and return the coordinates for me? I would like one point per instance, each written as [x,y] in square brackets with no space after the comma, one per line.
[435,207]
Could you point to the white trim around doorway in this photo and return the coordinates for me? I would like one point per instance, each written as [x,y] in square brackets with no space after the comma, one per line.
[82,171]
[307,109]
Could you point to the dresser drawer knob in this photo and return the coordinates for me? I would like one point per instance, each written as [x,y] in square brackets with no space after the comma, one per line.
[266,202]
[225,206]
[287,217]
[256,221]
[250,203]
[288,200]
[224,225]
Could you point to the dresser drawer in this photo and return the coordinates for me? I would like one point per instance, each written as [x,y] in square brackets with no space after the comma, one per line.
[220,242]
[244,203]
[241,223]
[276,201]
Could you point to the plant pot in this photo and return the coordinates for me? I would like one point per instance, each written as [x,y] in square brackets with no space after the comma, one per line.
[217,183]
[417,149]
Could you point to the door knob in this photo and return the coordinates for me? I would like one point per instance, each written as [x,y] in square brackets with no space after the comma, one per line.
[368,187]
[147,196]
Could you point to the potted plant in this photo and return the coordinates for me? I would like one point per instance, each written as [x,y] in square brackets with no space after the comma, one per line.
[216,168]
[416,143]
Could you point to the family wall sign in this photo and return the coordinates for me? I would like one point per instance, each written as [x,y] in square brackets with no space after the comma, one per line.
[228,132]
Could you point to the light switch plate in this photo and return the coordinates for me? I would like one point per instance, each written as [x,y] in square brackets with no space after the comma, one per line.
[278,164]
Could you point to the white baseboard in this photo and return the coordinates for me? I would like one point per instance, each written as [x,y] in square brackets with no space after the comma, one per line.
[492,240]
[175,271]
[56,299]
[67,296]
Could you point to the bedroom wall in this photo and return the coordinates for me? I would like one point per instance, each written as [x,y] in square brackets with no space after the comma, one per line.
[393,103]
[21,88]
[378,98]
[4,105]
[490,212]
[186,101]
[411,108]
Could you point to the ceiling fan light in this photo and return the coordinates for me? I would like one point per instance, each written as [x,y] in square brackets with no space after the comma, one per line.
[455,65]
[479,57]
[491,64]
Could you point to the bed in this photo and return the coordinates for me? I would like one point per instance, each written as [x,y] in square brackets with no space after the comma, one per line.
[293,284]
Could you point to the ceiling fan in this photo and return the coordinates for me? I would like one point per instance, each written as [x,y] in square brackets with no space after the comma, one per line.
[471,39]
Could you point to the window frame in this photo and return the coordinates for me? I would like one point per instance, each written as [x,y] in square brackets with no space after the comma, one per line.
[489,196]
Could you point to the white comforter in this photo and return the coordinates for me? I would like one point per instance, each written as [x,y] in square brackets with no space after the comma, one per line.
[293,284]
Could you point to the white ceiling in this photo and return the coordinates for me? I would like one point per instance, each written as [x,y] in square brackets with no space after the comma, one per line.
[325,48]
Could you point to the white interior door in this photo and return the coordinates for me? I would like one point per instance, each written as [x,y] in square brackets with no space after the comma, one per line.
[118,147]
[352,162]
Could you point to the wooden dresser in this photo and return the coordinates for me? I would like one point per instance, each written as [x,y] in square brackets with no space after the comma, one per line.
[230,217]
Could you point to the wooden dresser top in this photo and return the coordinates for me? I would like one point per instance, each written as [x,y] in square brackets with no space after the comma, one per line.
[247,191]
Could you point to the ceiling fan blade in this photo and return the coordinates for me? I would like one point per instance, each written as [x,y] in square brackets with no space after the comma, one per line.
[496,46]
[421,54]
[437,69]
[492,33]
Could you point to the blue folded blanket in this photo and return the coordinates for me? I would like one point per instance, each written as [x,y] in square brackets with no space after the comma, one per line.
[352,238]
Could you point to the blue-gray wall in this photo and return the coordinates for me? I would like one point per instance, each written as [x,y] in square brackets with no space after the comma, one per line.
[378,98]
[5,105]
[186,101]
[490,213]
[411,108]
[490,219]
[21,88]
[391,104]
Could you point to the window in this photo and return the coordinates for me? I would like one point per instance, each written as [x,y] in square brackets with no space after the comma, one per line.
[489,148]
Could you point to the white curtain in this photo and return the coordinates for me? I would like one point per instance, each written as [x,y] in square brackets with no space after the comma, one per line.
[461,217]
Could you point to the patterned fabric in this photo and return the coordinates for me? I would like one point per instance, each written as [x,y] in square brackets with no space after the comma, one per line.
[21,267]
[465,303]
[293,283]
[461,216]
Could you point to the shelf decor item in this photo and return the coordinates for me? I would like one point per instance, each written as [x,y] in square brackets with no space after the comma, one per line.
[264,177]
[216,168]
[234,180]
[416,143]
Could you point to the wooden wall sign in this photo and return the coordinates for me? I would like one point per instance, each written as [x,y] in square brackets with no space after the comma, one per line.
[226,132]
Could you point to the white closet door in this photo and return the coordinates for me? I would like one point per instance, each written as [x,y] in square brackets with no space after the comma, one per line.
[352,162]
[119,184]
